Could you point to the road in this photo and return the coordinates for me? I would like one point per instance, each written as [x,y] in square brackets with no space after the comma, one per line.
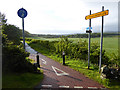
[57,75]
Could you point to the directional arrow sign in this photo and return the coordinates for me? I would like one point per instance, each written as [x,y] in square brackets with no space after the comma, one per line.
[99,14]
[61,73]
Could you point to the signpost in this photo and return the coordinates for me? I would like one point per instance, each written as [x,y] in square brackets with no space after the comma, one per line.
[22,13]
[95,15]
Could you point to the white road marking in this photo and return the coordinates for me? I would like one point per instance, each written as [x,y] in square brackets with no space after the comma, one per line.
[64,86]
[43,61]
[46,85]
[59,74]
[50,86]
[92,87]
[78,87]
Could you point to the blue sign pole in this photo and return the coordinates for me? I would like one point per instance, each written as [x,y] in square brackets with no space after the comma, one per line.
[22,13]
[23,33]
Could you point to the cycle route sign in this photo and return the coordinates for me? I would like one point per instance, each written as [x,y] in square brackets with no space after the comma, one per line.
[22,13]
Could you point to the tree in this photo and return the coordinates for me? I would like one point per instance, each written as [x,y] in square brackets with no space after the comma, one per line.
[13,33]
[2,19]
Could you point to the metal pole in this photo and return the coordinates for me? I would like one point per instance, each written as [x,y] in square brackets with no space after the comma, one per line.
[101,42]
[89,43]
[23,33]
[63,58]
[38,60]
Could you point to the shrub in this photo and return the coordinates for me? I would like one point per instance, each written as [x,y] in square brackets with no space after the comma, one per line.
[28,39]
[14,59]
[4,39]
[80,50]
[46,45]
[34,41]
[76,50]
[114,61]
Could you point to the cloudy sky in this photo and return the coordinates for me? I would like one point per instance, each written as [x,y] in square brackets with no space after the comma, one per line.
[60,16]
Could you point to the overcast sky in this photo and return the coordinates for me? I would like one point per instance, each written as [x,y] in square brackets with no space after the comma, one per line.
[60,16]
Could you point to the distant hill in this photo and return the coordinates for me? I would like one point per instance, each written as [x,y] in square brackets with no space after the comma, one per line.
[47,36]
[93,35]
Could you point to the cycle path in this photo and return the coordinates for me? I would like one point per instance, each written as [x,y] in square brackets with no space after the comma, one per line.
[57,75]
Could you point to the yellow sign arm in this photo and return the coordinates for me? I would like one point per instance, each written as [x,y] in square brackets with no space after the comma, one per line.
[99,14]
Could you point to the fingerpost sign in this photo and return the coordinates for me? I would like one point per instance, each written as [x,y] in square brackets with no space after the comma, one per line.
[95,15]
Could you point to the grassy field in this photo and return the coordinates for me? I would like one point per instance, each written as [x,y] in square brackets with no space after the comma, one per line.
[110,44]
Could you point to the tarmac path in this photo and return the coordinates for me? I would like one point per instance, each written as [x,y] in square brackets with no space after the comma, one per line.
[57,75]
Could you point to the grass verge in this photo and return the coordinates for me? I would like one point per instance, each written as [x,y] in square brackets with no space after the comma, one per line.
[21,80]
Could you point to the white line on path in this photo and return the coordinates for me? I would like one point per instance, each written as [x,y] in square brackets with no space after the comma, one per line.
[50,86]
[64,86]
[43,61]
[59,74]
[47,86]
[78,87]
[92,87]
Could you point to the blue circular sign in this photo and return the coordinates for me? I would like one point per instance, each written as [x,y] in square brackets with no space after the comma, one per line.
[22,13]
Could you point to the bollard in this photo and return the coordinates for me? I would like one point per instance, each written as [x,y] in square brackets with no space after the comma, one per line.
[63,57]
[38,60]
